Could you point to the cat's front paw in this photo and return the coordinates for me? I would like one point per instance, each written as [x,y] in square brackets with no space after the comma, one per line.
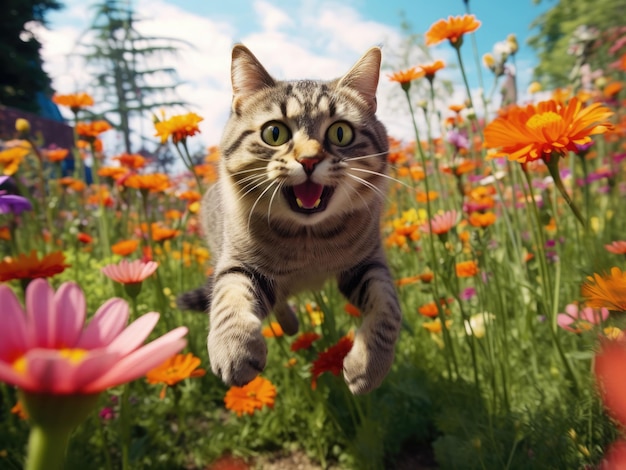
[237,356]
[365,368]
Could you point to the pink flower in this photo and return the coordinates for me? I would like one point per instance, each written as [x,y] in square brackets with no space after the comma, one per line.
[130,272]
[618,247]
[441,223]
[45,347]
[577,321]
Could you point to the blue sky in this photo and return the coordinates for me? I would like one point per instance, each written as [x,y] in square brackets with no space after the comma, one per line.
[297,39]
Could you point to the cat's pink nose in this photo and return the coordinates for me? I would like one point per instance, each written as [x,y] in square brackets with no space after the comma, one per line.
[309,163]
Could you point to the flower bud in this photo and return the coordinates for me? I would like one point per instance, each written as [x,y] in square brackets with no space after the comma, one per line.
[22,126]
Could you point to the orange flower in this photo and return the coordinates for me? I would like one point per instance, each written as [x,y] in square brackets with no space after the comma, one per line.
[405,281]
[73,101]
[73,184]
[155,182]
[253,396]
[90,130]
[405,77]
[131,160]
[457,108]
[331,360]
[431,69]
[529,133]
[477,219]
[113,172]
[466,268]
[352,310]
[31,267]
[174,370]
[190,196]
[84,238]
[304,341]
[56,155]
[434,326]
[179,127]
[19,410]
[429,310]
[160,233]
[451,29]
[273,330]
[607,290]
[11,157]
[617,247]
[423,197]
[612,89]
[125,247]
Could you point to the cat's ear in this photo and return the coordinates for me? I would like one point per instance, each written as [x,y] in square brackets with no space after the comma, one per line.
[247,74]
[363,76]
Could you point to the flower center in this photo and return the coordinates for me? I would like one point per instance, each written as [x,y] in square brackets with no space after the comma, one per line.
[74,356]
[539,121]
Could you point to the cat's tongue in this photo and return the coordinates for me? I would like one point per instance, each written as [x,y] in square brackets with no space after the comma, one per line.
[308,194]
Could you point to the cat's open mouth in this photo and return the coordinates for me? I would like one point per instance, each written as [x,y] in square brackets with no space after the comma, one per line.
[308,197]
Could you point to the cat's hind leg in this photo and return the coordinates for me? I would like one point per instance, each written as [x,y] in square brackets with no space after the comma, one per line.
[287,318]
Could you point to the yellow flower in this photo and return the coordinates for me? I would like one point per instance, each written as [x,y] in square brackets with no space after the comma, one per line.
[178,127]
[12,156]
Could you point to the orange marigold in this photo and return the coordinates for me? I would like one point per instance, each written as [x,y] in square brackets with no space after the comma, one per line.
[174,370]
[251,397]
[529,133]
[154,182]
[132,161]
[178,127]
[478,219]
[90,130]
[466,268]
[431,69]
[55,155]
[74,101]
[405,77]
[451,29]
[125,247]
[31,267]
[73,183]
[608,290]
[273,330]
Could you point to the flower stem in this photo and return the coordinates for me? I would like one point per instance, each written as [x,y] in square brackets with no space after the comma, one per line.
[46,450]
[553,165]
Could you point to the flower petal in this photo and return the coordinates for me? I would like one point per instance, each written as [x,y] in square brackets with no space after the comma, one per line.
[134,335]
[9,375]
[40,313]
[69,315]
[107,323]
[142,360]
[14,340]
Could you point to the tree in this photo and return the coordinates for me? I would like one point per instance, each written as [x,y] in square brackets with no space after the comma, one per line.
[125,65]
[21,74]
[565,38]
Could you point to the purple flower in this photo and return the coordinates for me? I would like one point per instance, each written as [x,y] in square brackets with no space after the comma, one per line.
[12,203]
[458,139]
[468,293]
[107,413]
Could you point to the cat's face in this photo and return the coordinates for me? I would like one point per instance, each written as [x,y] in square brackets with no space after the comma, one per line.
[305,150]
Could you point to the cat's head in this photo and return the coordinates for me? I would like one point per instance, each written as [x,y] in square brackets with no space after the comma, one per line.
[304,150]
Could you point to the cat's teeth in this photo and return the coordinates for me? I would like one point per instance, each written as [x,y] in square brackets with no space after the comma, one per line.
[317,203]
[299,202]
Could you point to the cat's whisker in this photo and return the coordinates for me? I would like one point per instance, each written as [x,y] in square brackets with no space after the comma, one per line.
[391,178]
[269,207]
[256,183]
[362,157]
[247,170]
[367,184]
[269,186]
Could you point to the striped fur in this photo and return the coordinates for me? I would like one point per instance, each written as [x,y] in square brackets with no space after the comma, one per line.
[266,248]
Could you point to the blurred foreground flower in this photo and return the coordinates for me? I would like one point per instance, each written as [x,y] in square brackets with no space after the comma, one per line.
[12,203]
[252,396]
[73,101]
[174,370]
[60,367]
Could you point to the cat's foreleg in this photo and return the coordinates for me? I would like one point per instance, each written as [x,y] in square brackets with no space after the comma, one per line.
[369,286]
[241,299]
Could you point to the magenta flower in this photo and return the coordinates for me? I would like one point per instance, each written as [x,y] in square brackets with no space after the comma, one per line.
[46,349]
[578,320]
[130,272]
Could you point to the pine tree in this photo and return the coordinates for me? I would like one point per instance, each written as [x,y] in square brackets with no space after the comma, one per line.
[128,80]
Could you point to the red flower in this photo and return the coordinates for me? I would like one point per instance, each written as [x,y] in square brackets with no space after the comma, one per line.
[304,341]
[331,360]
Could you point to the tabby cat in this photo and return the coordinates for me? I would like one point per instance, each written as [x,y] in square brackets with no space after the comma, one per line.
[298,200]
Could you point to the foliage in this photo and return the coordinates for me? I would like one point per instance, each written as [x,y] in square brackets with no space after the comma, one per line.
[22,76]
[555,38]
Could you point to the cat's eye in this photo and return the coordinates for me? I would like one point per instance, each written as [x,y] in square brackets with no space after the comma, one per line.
[340,133]
[275,133]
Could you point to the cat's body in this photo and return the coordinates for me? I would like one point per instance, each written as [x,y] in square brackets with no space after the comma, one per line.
[298,201]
